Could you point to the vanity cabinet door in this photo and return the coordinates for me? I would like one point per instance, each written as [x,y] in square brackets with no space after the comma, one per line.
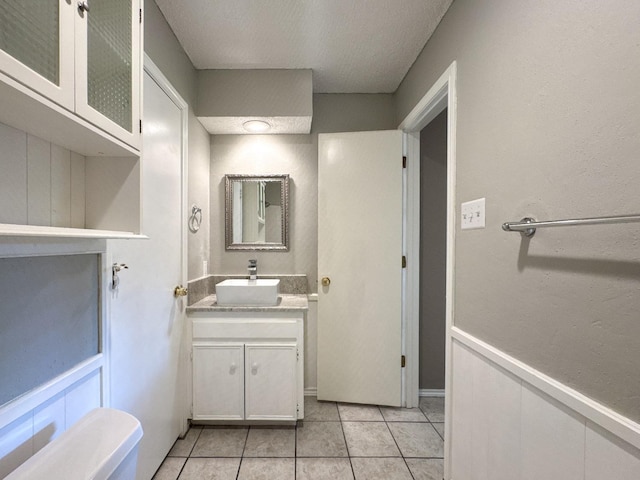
[218,382]
[271,381]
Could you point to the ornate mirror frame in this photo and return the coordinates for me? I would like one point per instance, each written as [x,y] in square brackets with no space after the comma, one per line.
[228,213]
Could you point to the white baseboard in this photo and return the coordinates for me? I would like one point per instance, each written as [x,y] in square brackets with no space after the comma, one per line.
[609,420]
[427,392]
[424,392]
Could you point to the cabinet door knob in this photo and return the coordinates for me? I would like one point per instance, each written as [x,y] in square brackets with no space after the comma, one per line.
[254,368]
[232,368]
[83,6]
[326,281]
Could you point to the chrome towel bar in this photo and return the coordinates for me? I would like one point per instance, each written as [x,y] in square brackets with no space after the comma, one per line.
[527,226]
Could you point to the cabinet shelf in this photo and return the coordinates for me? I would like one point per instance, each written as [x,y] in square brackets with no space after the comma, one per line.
[10,230]
[24,109]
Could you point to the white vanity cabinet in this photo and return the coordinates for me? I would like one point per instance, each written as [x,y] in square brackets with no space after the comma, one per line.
[248,366]
[70,73]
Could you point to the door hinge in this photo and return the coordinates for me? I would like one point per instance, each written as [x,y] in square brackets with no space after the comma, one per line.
[404,162]
[403,361]
[404,261]
[140,126]
[297,355]
[140,15]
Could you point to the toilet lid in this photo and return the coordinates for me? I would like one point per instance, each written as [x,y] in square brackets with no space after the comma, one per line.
[91,449]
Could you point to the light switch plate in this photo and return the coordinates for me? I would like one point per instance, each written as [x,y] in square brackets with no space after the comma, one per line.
[473,214]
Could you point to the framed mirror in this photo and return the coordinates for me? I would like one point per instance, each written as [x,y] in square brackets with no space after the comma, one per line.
[257,212]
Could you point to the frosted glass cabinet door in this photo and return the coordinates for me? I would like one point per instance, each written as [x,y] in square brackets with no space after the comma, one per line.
[36,46]
[270,382]
[108,67]
[218,382]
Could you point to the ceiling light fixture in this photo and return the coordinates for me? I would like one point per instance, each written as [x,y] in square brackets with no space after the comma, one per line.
[256,126]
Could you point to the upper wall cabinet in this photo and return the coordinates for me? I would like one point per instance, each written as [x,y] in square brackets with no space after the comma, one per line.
[70,72]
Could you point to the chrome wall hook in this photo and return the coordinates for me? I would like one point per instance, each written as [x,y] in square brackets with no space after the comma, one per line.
[115,268]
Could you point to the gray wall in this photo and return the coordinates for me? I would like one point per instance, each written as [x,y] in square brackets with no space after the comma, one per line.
[433,251]
[296,155]
[233,93]
[548,114]
[164,50]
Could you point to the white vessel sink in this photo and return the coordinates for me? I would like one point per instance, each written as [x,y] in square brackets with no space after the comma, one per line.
[243,292]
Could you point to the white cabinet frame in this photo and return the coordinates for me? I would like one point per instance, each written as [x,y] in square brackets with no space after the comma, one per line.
[81,91]
[62,94]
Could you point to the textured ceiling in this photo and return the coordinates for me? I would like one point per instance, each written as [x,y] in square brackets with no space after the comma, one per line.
[352,46]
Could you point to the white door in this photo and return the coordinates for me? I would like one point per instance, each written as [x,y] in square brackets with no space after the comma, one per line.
[270,381]
[147,321]
[360,254]
[218,382]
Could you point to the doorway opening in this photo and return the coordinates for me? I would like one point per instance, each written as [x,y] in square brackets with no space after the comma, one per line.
[433,249]
[440,97]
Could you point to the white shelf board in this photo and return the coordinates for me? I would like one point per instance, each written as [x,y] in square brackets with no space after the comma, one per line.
[10,230]
[24,109]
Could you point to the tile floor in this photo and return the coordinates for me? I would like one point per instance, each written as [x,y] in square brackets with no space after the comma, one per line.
[335,441]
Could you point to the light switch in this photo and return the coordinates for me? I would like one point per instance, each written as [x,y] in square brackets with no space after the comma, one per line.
[472,215]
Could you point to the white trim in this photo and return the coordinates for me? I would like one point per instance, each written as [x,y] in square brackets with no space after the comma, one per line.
[105,279]
[311,392]
[312,297]
[617,424]
[411,305]
[31,400]
[11,230]
[157,76]
[427,392]
[442,94]
[13,247]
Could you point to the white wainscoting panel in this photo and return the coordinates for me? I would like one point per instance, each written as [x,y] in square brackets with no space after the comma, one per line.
[41,183]
[77,190]
[83,397]
[462,418]
[60,187]
[38,181]
[13,181]
[495,436]
[49,421]
[552,439]
[16,443]
[503,427]
[609,457]
[29,433]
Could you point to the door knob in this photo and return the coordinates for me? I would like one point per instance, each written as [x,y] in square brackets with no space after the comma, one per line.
[180,291]
[326,281]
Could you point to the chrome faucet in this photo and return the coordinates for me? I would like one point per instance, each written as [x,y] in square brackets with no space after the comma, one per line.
[253,269]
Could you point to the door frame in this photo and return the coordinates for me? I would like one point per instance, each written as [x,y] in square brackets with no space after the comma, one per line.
[165,85]
[441,95]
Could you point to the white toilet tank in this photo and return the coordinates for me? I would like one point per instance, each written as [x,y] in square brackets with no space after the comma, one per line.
[102,445]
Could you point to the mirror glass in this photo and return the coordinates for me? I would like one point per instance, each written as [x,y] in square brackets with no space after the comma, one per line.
[257,212]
